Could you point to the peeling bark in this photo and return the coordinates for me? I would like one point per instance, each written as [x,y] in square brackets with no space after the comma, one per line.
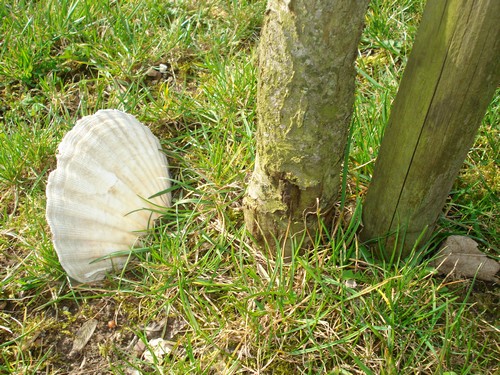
[304,104]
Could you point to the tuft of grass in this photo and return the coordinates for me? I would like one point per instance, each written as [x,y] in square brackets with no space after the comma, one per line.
[224,306]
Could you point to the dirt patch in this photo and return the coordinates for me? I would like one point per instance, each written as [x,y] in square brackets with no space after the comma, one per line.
[485,297]
[47,335]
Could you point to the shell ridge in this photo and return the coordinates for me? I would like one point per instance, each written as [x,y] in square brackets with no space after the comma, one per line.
[109,165]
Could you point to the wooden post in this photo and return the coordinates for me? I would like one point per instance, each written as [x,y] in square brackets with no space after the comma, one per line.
[450,79]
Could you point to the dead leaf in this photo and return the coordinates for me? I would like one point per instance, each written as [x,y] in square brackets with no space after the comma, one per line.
[460,257]
[83,336]
[152,73]
[167,328]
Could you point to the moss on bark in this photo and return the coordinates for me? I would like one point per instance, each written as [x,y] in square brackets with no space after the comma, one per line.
[304,106]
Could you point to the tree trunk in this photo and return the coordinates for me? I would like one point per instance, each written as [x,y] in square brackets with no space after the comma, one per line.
[304,105]
[449,81]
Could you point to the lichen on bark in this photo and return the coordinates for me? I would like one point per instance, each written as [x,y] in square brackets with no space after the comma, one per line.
[304,104]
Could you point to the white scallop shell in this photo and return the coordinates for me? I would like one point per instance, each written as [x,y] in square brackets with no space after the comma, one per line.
[99,197]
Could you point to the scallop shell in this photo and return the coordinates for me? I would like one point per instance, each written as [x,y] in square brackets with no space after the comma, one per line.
[99,198]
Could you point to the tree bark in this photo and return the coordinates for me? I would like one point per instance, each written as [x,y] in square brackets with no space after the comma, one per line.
[448,83]
[304,104]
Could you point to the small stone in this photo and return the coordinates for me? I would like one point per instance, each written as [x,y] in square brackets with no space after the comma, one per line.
[158,348]
[163,68]
[350,283]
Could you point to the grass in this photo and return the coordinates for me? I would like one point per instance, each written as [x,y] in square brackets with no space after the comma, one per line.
[226,307]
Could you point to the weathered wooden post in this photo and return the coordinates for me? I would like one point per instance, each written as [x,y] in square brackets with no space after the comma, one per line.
[450,79]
